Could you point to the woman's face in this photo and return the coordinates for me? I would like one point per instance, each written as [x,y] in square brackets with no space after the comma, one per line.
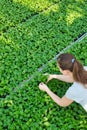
[64,72]
[60,68]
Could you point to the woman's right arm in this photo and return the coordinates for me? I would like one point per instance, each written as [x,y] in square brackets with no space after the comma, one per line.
[64,78]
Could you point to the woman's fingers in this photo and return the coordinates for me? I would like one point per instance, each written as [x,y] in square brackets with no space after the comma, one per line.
[49,78]
[46,74]
[42,86]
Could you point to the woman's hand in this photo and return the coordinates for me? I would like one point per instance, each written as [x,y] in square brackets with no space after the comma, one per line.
[43,87]
[50,78]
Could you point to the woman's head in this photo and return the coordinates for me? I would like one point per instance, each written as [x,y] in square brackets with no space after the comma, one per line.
[67,62]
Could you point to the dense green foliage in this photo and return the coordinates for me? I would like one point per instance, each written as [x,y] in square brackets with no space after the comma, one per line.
[32,32]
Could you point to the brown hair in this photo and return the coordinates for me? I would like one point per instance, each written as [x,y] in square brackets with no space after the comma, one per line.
[67,61]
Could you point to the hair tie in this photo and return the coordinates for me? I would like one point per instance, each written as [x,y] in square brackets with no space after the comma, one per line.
[73,60]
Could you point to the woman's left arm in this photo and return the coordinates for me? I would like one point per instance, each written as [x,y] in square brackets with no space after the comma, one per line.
[64,101]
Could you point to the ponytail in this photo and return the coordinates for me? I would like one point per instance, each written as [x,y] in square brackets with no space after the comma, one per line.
[79,74]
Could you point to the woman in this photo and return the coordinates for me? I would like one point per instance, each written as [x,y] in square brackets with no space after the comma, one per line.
[72,72]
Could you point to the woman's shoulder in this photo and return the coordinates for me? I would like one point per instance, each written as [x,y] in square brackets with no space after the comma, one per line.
[79,87]
[76,89]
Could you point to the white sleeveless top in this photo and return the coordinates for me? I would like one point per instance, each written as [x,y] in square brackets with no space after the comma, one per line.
[78,93]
